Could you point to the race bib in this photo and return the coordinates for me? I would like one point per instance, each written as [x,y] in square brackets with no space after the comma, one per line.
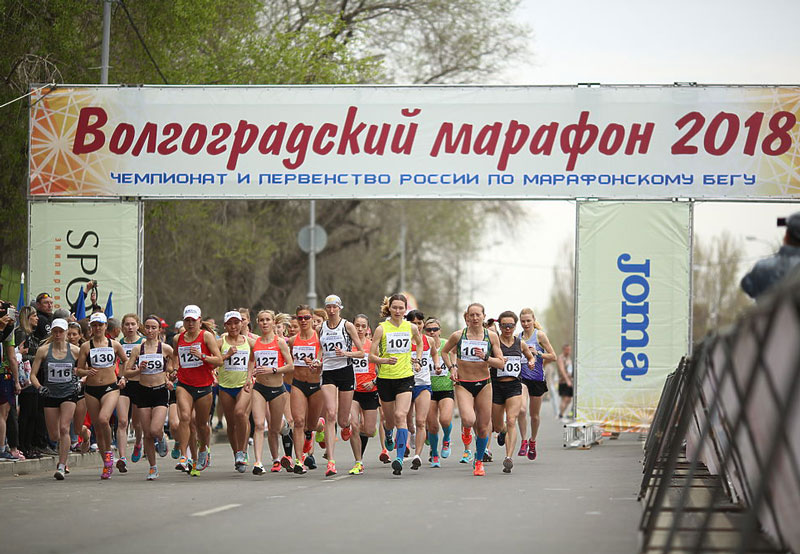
[187,359]
[445,372]
[512,368]
[238,361]
[128,348]
[361,365]
[303,354]
[469,349]
[59,372]
[398,342]
[267,358]
[102,357]
[329,344]
[154,363]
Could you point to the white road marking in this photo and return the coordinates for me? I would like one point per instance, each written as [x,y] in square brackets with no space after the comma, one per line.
[594,513]
[557,489]
[340,477]
[216,510]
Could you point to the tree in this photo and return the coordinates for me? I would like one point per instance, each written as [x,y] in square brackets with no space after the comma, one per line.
[559,317]
[717,299]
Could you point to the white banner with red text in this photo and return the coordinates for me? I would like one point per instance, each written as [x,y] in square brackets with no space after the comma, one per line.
[632,307]
[642,142]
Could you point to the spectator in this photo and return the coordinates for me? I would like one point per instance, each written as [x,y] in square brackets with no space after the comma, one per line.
[769,271]
[32,427]
[565,373]
[9,382]
[91,298]
[113,329]
[44,307]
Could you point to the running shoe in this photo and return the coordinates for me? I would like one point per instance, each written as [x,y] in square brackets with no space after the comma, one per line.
[250,441]
[152,475]
[331,469]
[531,450]
[258,469]
[66,469]
[389,441]
[319,436]
[122,465]
[346,433]
[6,455]
[415,463]
[203,459]
[384,456]
[194,472]
[307,444]
[508,463]
[523,449]
[189,465]
[181,465]
[446,449]
[276,466]
[501,438]
[176,451]
[487,456]
[106,473]
[466,457]
[108,465]
[286,463]
[161,447]
[298,468]
[466,436]
[435,462]
[407,452]
[479,471]
[137,452]
[358,469]
[60,472]
[239,462]
[310,462]
[397,466]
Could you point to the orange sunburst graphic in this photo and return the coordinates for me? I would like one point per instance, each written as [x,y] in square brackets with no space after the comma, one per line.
[54,169]
[778,175]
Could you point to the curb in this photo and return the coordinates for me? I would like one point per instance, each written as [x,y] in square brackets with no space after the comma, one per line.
[48,463]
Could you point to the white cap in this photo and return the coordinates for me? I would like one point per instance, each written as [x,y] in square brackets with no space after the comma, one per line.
[98,317]
[333,299]
[179,324]
[191,312]
[234,314]
[59,324]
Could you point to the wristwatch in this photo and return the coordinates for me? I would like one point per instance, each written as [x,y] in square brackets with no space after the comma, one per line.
[274,370]
[486,357]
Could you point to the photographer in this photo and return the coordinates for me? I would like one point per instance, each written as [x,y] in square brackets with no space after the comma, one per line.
[9,374]
[769,271]
[44,309]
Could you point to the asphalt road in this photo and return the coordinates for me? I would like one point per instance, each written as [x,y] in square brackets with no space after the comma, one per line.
[565,501]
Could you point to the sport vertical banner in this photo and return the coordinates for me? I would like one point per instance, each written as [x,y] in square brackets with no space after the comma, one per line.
[72,243]
[632,308]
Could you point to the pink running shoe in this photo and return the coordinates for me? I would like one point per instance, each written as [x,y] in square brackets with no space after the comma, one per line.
[532,450]
[523,449]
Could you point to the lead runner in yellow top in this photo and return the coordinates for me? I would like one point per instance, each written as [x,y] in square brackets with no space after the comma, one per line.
[391,351]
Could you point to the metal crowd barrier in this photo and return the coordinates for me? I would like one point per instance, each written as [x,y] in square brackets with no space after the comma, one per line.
[722,459]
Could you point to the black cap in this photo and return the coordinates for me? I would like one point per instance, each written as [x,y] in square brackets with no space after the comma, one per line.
[792,224]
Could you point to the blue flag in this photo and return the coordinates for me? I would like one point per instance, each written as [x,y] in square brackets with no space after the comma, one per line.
[21,302]
[80,305]
[109,308]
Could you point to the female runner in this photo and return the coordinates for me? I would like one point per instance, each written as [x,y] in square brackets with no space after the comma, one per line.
[364,414]
[421,394]
[269,361]
[150,363]
[196,354]
[127,403]
[58,359]
[506,386]
[232,376]
[337,336]
[476,349]
[306,396]
[442,397]
[532,375]
[391,351]
[96,361]
[75,336]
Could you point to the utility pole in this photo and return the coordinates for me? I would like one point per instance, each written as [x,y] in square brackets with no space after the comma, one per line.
[106,40]
[312,257]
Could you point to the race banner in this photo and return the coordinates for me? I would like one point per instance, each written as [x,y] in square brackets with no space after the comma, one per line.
[632,307]
[613,142]
[72,243]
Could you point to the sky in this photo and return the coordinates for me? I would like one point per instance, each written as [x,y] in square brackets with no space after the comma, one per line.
[636,42]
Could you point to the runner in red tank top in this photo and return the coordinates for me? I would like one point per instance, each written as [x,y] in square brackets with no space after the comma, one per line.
[364,412]
[195,354]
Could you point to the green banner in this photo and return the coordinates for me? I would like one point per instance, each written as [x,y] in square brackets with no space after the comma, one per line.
[72,243]
[633,307]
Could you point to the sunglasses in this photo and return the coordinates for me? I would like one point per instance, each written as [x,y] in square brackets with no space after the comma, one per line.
[303,317]
[507,325]
[433,329]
